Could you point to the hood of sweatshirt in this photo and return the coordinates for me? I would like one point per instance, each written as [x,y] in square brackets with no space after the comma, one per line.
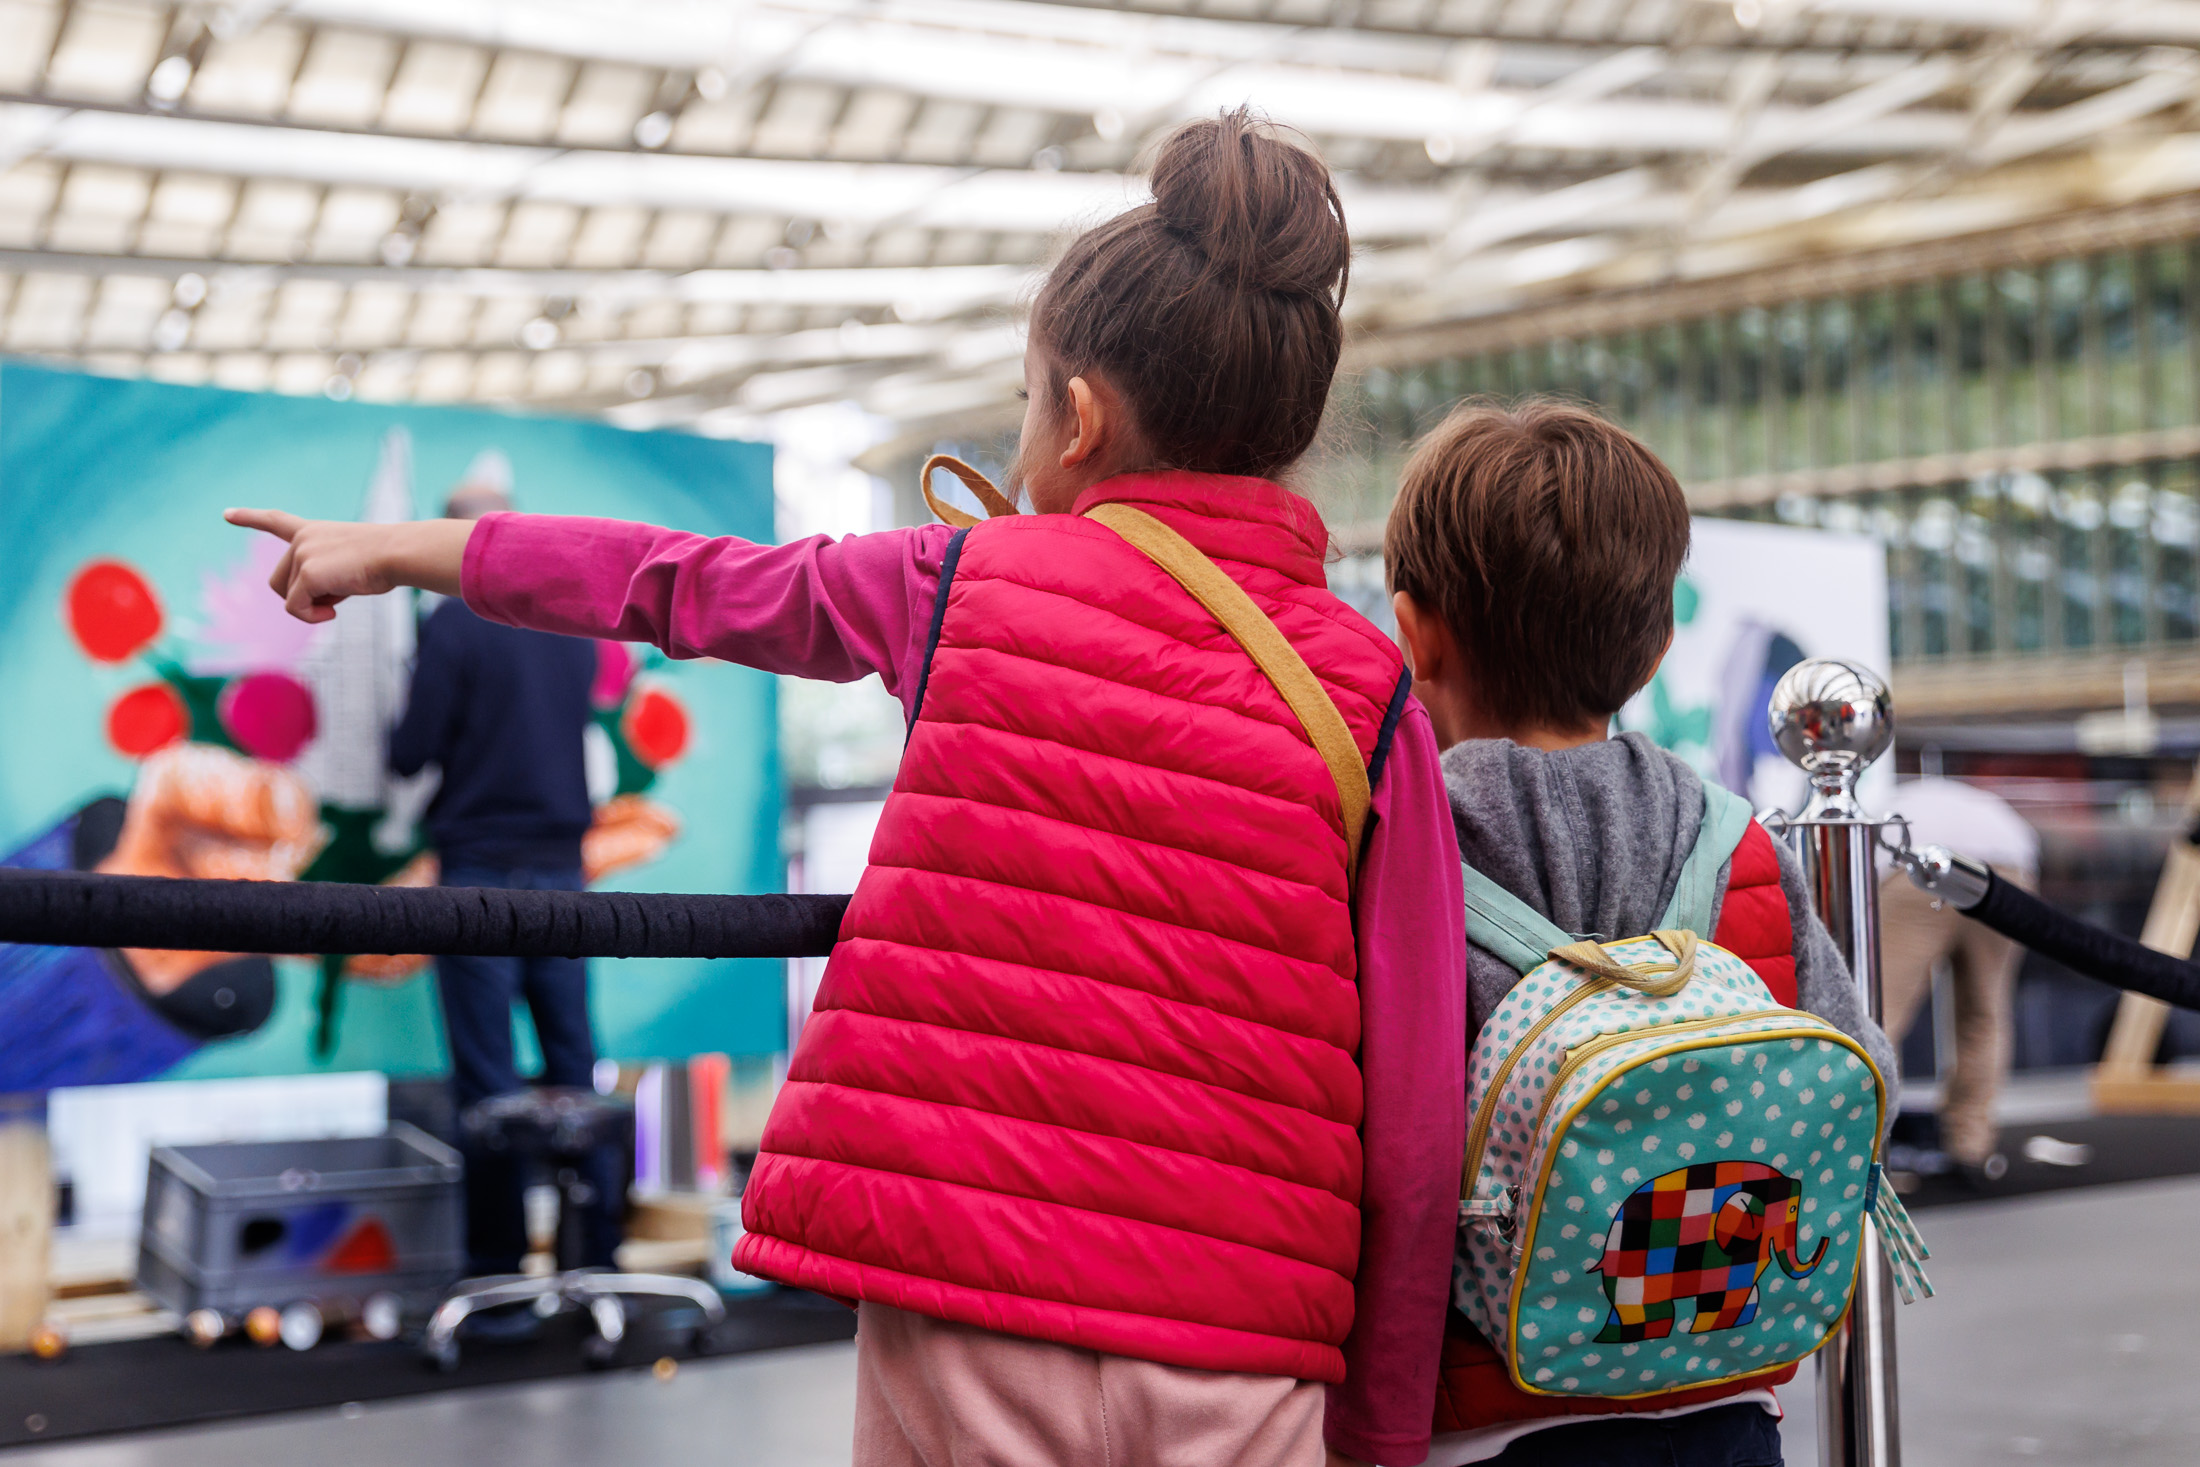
[1592,837]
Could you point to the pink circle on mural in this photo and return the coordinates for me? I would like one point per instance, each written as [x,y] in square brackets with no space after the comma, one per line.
[270,715]
[615,669]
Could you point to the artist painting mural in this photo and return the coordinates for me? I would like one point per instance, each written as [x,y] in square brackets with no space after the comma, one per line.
[171,720]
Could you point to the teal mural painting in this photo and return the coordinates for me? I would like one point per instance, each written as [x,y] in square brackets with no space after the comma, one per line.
[165,717]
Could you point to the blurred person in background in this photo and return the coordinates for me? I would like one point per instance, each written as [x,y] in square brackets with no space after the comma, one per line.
[502,711]
[1982,963]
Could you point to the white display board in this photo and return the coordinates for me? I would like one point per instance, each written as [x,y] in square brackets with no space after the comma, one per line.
[1753,601]
[836,847]
[102,1135]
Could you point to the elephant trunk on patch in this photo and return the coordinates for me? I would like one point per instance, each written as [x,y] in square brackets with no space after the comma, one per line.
[1783,1248]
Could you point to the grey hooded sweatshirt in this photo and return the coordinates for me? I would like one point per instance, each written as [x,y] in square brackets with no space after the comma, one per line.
[1594,838]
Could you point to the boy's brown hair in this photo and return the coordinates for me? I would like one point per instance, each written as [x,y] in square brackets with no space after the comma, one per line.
[1548,540]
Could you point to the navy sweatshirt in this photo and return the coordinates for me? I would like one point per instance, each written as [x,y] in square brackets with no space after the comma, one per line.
[502,711]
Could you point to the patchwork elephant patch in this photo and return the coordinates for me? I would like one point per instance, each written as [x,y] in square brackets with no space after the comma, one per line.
[1699,1237]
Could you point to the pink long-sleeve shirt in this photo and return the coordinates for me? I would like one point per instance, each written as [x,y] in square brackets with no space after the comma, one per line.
[846,609]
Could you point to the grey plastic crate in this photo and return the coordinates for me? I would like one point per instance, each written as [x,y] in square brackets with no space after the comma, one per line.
[234,1225]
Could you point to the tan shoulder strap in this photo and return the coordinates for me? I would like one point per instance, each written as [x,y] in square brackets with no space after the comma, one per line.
[1212,587]
[996,503]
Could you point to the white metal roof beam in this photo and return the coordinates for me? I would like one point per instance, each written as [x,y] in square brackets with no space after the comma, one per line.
[2158,22]
[914,291]
[1315,89]
[861,195]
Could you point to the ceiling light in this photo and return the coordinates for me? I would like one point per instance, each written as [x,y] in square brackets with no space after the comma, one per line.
[654,130]
[190,290]
[170,80]
[172,330]
[539,334]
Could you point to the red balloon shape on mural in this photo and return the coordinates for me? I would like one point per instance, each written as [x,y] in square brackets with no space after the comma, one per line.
[656,728]
[270,715]
[147,719]
[112,611]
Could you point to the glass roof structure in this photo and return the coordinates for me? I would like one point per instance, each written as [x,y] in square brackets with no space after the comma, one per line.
[683,213]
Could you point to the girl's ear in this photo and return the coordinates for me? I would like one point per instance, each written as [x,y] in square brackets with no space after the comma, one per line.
[1090,423]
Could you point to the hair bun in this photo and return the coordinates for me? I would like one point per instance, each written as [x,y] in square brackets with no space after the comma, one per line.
[1261,210]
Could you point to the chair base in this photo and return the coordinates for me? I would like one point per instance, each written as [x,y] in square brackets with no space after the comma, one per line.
[594,1290]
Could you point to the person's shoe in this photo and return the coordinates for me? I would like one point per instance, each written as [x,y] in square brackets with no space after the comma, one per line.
[1924,1161]
[1980,1176]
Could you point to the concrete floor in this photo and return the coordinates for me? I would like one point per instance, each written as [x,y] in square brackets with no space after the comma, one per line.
[781,1408]
[2066,1331]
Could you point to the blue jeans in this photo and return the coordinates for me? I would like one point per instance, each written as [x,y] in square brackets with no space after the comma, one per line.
[478,994]
[1744,1435]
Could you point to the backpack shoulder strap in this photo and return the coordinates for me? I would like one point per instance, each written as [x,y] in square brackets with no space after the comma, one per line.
[1243,619]
[1726,818]
[1506,927]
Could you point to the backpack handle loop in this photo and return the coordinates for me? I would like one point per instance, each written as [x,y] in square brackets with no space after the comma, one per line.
[997,505]
[1651,980]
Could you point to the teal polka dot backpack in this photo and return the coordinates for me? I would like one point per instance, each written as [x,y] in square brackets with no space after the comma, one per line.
[1667,1172]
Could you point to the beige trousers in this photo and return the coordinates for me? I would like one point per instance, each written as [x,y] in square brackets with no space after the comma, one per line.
[934,1394]
[1983,964]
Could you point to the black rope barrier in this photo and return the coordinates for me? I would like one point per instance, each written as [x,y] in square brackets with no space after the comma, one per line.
[74,909]
[1979,893]
[2084,948]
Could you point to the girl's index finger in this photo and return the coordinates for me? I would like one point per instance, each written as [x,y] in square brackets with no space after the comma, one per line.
[279,523]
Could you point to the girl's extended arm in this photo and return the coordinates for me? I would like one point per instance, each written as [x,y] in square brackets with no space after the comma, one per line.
[820,608]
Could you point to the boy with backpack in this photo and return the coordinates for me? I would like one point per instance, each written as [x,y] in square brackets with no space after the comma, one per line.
[1663,1126]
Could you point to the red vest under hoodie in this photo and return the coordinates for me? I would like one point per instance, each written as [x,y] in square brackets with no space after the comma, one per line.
[1082,1067]
[1473,1388]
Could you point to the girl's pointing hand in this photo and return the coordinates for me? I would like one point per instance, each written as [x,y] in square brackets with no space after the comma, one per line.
[329,560]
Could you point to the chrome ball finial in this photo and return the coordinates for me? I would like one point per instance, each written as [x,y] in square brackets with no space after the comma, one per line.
[1832,719]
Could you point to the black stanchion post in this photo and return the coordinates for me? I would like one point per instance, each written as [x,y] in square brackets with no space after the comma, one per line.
[1833,719]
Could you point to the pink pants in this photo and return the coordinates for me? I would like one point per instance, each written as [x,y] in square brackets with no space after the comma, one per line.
[934,1394]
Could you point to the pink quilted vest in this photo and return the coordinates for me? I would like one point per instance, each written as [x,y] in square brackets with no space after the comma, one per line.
[1082,1066]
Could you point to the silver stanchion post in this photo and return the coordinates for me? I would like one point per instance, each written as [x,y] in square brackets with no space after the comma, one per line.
[1833,719]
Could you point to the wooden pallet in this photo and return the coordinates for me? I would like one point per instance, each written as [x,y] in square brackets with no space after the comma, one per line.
[2127,1081]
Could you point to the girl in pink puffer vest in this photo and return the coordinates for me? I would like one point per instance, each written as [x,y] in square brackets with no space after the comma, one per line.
[1138,1066]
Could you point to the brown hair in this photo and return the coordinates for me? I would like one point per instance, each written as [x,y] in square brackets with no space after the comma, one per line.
[1548,540]
[1213,310]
